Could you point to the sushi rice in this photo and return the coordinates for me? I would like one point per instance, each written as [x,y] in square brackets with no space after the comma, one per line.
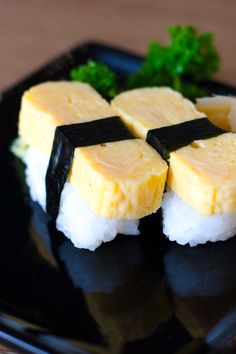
[75,219]
[181,223]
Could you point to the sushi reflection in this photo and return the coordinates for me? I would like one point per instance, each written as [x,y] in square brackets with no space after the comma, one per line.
[207,270]
[124,293]
[104,269]
[126,298]
[40,233]
[203,284]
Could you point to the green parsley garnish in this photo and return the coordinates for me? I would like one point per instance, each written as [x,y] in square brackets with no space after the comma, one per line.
[99,76]
[189,59]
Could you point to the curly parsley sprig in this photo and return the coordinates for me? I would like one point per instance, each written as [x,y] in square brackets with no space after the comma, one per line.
[98,75]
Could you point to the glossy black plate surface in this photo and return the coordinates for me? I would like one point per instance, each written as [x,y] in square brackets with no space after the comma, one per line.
[135,295]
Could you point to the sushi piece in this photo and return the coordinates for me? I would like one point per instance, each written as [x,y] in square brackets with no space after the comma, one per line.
[110,185]
[220,110]
[200,203]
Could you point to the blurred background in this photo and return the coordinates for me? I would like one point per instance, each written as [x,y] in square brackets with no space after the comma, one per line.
[33,32]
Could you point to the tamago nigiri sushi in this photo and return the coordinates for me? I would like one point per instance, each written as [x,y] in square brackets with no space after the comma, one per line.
[200,202]
[96,185]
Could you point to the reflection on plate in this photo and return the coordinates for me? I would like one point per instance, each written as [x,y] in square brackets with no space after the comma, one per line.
[201,271]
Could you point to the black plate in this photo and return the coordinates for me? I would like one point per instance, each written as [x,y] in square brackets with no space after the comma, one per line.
[134,295]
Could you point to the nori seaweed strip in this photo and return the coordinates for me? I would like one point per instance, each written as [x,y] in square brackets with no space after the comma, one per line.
[69,137]
[167,139]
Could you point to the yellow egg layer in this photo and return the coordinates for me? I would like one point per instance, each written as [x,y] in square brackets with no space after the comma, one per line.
[220,110]
[150,108]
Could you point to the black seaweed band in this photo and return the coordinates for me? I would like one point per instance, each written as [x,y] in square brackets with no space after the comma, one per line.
[69,137]
[167,139]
